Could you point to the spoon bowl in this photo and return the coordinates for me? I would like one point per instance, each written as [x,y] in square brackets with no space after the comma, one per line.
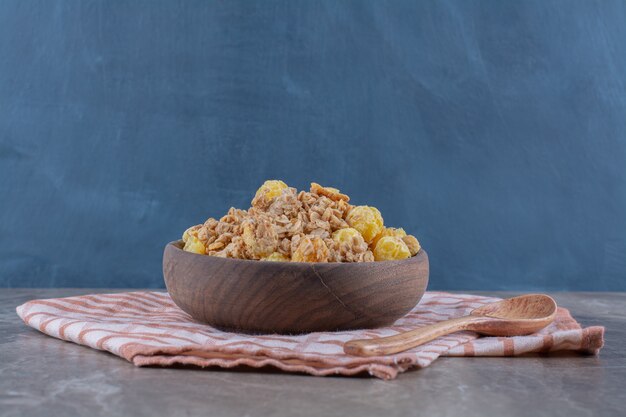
[515,316]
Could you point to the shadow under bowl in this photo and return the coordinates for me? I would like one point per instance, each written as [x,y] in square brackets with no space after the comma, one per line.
[292,297]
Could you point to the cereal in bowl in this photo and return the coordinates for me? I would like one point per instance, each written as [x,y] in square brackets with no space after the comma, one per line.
[284,225]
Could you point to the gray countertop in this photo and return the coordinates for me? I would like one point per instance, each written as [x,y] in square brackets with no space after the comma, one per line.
[43,376]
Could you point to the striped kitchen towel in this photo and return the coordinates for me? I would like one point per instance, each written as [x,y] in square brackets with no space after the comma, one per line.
[147,328]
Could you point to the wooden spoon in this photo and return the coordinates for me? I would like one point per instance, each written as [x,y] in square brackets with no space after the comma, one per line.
[515,316]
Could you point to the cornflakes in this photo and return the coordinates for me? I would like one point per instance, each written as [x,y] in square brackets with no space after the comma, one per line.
[285,225]
[276,257]
[412,243]
[367,220]
[391,248]
[389,231]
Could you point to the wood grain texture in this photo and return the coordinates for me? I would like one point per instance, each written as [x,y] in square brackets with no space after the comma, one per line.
[516,316]
[293,297]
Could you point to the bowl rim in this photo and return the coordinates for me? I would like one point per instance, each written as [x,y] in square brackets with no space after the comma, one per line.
[177,245]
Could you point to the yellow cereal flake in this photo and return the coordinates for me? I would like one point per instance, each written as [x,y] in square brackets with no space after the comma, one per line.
[346,235]
[390,248]
[367,220]
[267,193]
[389,231]
[192,231]
[194,245]
[311,250]
[412,243]
[276,257]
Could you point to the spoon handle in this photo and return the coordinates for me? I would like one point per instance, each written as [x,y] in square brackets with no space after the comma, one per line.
[407,340]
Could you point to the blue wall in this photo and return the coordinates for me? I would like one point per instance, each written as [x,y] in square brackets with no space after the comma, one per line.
[493,130]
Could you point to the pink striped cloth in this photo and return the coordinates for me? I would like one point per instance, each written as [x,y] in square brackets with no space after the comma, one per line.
[147,328]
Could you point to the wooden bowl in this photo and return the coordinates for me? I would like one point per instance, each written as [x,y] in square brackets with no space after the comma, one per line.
[293,297]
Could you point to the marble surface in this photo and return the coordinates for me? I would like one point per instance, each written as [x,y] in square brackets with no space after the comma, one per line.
[42,376]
